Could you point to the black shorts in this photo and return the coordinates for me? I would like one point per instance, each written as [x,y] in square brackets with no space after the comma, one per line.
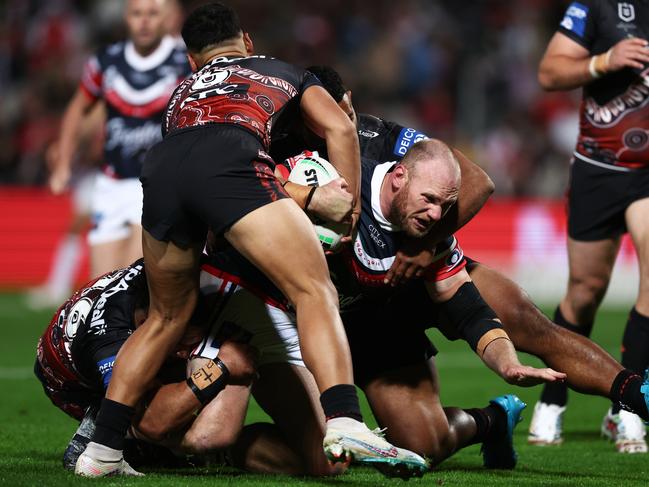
[205,177]
[598,198]
[387,336]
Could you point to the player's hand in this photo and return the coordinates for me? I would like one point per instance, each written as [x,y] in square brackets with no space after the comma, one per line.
[526,376]
[409,263]
[332,201]
[628,53]
[59,179]
[240,359]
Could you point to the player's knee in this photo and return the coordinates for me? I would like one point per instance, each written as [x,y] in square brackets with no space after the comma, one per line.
[585,296]
[320,290]
[201,442]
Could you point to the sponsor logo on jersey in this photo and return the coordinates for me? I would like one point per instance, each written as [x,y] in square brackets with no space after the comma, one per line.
[575,19]
[98,324]
[131,140]
[407,138]
[635,97]
[625,11]
[105,368]
[368,133]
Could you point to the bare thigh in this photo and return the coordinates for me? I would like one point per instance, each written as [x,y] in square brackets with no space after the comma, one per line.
[638,224]
[279,239]
[590,268]
[172,277]
[406,402]
[288,393]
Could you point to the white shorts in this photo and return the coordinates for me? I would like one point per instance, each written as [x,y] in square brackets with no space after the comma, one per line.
[116,205]
[272,332]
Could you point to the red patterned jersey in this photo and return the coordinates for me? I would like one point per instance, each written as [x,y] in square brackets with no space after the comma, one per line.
[251,92]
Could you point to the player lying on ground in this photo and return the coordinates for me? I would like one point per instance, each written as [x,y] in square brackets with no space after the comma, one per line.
[405,374]
[75,357]
[590,369]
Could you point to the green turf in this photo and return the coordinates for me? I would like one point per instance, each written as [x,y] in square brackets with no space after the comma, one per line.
[33,433]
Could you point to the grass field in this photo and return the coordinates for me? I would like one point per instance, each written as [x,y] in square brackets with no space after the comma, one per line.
[33,433]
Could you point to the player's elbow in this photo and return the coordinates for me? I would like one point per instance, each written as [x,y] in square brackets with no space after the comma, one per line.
[547,78]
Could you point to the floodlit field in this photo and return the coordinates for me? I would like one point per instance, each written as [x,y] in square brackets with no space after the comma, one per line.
[33,433]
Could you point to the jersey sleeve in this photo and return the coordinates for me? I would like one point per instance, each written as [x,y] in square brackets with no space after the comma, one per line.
[449,260]
[92,78]
[580,22]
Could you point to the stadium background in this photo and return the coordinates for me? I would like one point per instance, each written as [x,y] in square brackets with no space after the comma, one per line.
[461,71]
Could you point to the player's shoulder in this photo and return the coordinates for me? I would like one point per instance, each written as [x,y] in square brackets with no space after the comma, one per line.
[110,52]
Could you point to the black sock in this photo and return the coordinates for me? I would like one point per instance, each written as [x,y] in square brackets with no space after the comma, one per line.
[635,343]
[557,392]
[341,401]
[625,393]
[490,422]
[113,419]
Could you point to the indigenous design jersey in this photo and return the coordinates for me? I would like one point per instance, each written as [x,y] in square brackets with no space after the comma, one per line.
[383,141]
[80,344]
[375,246]
[251,92]
[614,112]
[136,90]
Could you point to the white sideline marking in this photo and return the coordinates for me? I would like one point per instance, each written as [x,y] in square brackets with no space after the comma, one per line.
[16,373]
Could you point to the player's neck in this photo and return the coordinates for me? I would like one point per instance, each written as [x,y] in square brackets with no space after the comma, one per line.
[386,196]
[146,51]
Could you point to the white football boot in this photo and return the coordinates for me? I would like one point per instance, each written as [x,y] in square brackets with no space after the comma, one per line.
[627,430]
[89,466]
[546,425]
[350,440]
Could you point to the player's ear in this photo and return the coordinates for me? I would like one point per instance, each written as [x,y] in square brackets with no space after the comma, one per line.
[399,177]
[247,41]
[192,62]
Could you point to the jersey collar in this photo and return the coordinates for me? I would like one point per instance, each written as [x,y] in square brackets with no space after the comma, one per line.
[153,60]
[380,172]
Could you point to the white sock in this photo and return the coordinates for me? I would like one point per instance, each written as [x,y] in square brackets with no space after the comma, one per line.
[346,423]
[64,266]
[103,452]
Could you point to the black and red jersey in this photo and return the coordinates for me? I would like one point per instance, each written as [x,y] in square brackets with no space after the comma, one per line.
[251,92]
[136,90]
[79,346]
[614,112]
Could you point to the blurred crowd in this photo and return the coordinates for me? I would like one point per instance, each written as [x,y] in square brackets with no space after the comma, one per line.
[461,71]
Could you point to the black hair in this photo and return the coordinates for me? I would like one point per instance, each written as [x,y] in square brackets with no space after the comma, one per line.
[331,81]
[209,25]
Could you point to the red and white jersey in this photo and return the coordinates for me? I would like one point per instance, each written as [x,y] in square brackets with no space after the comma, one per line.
[136,90]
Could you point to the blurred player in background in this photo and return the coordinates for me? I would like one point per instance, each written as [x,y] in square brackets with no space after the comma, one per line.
[70,250]
[134,80]
[601,46]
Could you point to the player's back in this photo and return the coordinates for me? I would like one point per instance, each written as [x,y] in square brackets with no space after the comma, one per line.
[251,92]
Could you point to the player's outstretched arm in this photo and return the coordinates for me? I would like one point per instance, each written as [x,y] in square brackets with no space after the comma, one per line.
[500,356]
[463,313]
[326,119]
[416,255]
[71,128]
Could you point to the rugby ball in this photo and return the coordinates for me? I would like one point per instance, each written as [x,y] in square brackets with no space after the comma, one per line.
[309,169]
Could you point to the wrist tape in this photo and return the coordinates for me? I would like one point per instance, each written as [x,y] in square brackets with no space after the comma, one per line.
[209,380]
